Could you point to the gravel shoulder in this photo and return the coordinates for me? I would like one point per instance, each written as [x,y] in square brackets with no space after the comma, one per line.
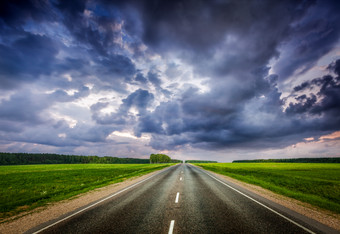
[27,221]
[326,217]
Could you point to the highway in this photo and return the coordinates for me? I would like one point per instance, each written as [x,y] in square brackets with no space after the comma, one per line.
[183,199]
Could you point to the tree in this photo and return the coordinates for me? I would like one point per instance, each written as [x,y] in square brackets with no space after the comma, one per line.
[159,158]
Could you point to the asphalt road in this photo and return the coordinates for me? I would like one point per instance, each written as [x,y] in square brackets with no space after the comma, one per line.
[184,199]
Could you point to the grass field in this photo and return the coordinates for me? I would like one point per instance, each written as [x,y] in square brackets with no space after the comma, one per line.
[314,183]
[23,188]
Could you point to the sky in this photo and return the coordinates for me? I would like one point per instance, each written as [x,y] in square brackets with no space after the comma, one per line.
[212,80]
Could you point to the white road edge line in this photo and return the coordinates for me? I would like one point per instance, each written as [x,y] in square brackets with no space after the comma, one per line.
[172,224]
[279,214]
[177,196]
[98,202]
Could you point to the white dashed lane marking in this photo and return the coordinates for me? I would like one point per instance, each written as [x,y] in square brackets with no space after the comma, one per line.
[177,196]
[172,224]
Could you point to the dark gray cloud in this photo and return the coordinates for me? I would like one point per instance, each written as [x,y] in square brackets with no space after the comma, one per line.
[140,99]
[90,134]
[314,36]
[16,13]
[335,67]
[23,107]
[62,96]
[29,122]
[323,105]
[72,52]
[92,31]
[116,66]
[26,59]
[140,78]
[153,77]
[200,25]
[253,30]
[96,29]
[209,121]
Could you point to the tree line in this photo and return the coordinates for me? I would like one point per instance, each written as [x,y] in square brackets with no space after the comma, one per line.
[199,161]
[292,160]
[29,158]
[162,158]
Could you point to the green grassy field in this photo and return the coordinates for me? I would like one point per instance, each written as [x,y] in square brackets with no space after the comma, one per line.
[314,183]
[26,187]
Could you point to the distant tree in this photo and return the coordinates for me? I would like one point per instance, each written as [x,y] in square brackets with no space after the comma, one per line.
[159,158]
[176,161]
[25,158]
[153,158]
[292,160]
[199,161]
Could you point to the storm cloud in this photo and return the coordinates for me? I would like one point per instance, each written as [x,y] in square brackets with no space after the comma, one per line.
[167,75]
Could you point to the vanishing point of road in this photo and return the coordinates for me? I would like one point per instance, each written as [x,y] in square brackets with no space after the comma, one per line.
[183,199]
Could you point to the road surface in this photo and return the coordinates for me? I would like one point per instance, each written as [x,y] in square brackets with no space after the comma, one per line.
[183,199]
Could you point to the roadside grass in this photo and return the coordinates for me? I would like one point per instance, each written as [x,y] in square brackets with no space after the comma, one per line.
[315,183]
[23,188]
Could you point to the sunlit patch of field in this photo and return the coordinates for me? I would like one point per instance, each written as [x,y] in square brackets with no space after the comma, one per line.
[314,183]
[23,188]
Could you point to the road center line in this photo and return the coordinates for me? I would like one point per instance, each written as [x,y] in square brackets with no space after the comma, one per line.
[172,224]
[279,214]
[177,196]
